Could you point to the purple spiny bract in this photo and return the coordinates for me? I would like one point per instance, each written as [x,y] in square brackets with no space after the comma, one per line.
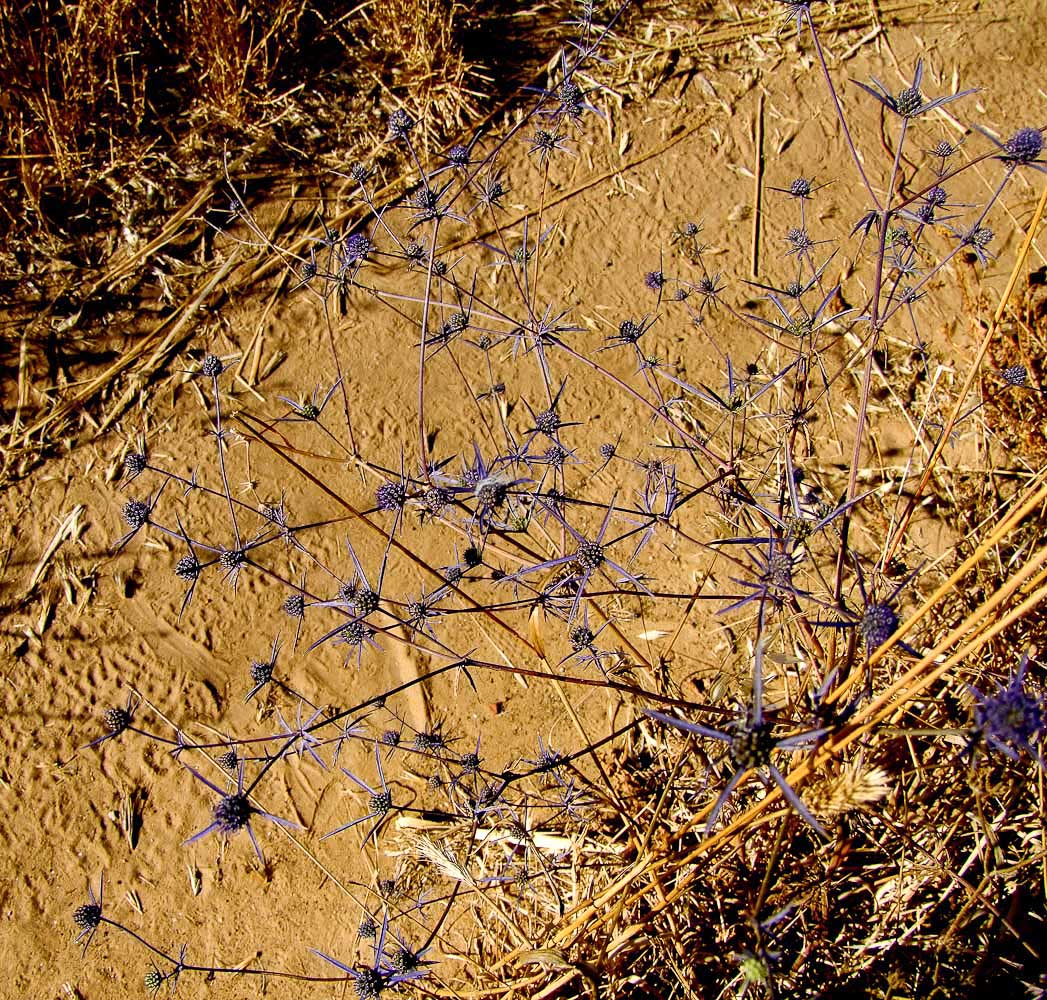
[878,624]
[1024,146]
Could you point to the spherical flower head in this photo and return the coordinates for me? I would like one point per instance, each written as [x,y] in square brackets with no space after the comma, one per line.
[690,229]
[751,746]
[116,720]
[607,450]
[294,606]
[368,928]
[470,762]
[228,761]
[232,559]
[936,196]
[654,280]
[153,980]
[801,188]
[429,741]
[439,268]
[453,574]
[491,493]
[136,513]
[369,983]
[581,637]
[357,247]
[799,241]
[434,500]
[262,671]
[980,237]
[1024,146]
[629,331]
[390,496]
[212,366]
[232,813]
[88,916]
[356,633]
[188,568]
[1011,717]
[400,124]
[381,803]
[391,738]
[359,172]
[1016,375]
[707,285]
[569,94]
[366,601]
[780,571]
[134,464]
[556,456]
[944,150]
[878,624]
[458,156]
[589,556]
[548,421]
[909,102]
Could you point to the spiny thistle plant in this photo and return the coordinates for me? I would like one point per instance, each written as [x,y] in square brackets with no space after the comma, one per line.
[512,534]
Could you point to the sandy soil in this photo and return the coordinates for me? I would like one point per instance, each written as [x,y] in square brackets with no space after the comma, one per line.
[103,626]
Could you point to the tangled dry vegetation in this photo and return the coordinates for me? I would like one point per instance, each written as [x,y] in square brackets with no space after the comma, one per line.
[915,863]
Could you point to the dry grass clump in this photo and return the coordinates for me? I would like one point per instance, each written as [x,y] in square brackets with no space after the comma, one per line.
[114,113]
